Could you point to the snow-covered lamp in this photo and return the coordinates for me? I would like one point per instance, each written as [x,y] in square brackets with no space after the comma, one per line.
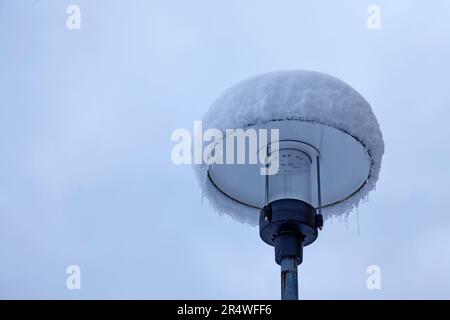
[328,155]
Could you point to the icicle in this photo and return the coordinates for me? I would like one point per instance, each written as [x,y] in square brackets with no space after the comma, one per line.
[357,220]
[205,176]
[346,220]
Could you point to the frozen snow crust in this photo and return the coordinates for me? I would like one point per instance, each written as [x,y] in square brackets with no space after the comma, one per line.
[300,95]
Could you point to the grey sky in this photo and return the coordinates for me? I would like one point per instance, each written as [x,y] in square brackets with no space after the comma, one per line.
[85,123]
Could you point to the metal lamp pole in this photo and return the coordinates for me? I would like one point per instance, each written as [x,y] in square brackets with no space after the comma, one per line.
[289,279]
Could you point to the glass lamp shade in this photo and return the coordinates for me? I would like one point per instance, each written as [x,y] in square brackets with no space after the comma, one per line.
[293,179]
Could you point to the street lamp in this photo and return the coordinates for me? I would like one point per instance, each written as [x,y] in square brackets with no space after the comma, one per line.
[328,154]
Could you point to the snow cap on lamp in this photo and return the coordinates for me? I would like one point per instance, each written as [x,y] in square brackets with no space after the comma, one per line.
[304,96]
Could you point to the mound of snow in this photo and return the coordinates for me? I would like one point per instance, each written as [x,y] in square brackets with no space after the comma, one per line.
[296,94]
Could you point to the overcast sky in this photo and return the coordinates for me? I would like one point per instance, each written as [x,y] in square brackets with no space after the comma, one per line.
[85,171]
